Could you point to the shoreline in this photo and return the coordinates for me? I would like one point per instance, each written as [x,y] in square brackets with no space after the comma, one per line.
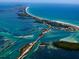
[28,47]
[76,27]
[48,19]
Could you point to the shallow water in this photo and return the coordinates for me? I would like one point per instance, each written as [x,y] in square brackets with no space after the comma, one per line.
[12,25]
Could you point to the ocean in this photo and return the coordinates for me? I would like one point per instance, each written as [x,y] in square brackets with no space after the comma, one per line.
[58,12]
[12,25]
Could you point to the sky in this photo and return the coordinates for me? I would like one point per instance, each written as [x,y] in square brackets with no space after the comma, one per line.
[44,1]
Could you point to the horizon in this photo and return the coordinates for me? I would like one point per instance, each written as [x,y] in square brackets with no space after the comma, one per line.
[42,1]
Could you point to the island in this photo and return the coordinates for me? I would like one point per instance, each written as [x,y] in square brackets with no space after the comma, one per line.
[55,24]
[25,47]
[51,24]
[67,45]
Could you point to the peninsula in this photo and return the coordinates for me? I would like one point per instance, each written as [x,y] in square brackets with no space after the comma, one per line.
[55,24]
[51,24]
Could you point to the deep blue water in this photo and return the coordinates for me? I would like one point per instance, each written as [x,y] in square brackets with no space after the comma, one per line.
[58,12]
[12,25]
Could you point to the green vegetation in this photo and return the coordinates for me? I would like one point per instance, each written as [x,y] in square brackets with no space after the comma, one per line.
[67,45]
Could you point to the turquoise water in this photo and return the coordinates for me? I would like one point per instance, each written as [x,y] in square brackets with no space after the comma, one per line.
[57,12]
[11,25]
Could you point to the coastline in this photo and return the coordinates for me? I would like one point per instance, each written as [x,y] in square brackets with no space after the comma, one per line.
[47,21]
[26,50]
[19,31]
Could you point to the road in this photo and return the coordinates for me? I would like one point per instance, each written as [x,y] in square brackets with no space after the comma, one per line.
[32,44]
